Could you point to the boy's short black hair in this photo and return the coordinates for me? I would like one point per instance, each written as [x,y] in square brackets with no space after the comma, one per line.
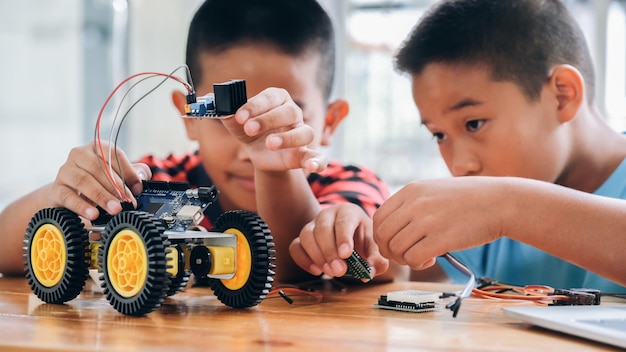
[294,27]
[518,40]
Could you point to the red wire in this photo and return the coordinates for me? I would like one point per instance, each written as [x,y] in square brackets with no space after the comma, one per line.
[540,294]
[121,193]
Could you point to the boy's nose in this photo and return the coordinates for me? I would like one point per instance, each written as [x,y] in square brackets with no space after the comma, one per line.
[241,153]
[464,163]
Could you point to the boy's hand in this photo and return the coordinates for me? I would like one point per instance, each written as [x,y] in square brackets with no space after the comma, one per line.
[426,219]
[331,237]
[272,127]
[81,183]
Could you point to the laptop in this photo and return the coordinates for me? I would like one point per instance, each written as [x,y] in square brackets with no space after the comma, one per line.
[605,324]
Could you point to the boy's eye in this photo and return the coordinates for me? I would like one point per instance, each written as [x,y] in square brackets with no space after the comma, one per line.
[474,125]
[439,137]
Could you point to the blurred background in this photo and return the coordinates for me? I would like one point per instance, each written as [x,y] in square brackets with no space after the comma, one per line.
[61,59]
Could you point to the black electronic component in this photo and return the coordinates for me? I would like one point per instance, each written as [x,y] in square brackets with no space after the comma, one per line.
[229,96]
[358,268]
[156,185]
[577,297]
[226,99]
[208,194]
[200,261]
[191,98]
[285,297]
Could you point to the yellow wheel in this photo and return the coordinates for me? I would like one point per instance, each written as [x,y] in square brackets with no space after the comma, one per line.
[48,255]
[127,263]
[133,262]
[255,256]
[243,256]
[57,253]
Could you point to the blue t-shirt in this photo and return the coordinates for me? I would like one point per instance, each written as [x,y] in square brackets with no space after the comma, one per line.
[517,263]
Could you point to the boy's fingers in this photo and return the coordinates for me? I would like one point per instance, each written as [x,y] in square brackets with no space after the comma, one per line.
[142,173]
[379,264]
[386,211]
[315,165]
[287,115]
[301,258]
[318,233]
[87,176]
[312,160]
[344,230]
[73,201]
[94,192]
[386,224]
[122,188]
[261,103]
[326,234]
[296,137]
[422,254]
[84,185]
[428,263]
[309,244]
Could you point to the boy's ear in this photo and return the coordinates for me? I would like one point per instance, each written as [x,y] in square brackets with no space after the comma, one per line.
[335,113]
[179,99]
[569,88]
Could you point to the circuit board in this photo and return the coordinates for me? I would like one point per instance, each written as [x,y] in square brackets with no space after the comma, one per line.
[228,97]
[176,203]
[413,301]
[358,268]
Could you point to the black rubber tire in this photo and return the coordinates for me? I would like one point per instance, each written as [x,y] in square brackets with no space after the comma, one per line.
[156,285]
[76,244]
[178,283]
[261,277]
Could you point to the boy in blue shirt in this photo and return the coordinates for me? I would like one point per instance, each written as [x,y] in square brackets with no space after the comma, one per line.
[507,90]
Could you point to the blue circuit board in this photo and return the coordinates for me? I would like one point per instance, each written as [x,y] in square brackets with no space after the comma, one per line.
[176,203]
[228,97]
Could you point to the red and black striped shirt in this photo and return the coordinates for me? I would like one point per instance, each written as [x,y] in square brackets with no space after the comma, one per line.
[334,185]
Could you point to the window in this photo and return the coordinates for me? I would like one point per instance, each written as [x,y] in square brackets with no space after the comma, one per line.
[383,131]
[65,57]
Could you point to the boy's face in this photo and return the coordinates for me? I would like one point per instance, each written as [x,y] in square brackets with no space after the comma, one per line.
[490,128]
[261,66]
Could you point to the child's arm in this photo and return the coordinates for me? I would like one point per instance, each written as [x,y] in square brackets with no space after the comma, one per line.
[429,218]
[80,185]
[271,125]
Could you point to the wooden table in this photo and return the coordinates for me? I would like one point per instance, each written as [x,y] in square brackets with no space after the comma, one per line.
[195,320]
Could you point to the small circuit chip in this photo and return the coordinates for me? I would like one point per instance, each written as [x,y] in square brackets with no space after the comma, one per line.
[414,301]
[190,212]
[358,268]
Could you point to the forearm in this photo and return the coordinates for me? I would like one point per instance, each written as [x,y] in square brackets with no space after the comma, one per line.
[286,203]
[13,221]
[584,229]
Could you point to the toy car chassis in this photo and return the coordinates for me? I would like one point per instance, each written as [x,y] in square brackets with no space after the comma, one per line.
[147,254]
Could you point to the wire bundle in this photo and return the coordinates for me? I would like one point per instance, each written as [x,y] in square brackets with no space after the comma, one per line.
[106,160]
